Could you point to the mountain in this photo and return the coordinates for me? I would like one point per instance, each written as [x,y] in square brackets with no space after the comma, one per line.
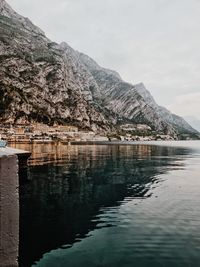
[193,121]
[134,102]
[178,123]
[42,81]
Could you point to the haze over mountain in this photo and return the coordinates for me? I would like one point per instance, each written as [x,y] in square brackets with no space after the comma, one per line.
[194,122]
[43,81]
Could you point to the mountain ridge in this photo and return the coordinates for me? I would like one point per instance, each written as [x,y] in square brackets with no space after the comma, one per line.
[193,121]
[166,117]
[43,81]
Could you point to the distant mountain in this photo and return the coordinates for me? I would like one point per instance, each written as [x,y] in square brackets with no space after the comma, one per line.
[42,81]
[194,122]
[134,102]
[177,122]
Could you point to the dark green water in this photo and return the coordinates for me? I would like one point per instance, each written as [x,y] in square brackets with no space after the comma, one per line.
[112,205]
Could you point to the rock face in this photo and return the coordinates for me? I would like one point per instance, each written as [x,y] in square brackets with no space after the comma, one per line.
[178,123]
[48,82]
[41,80]
[134,102]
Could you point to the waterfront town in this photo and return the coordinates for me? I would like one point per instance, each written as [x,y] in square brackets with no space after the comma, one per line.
[39,132]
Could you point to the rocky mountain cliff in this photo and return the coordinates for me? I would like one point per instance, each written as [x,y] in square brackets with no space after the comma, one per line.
[48,82]
[178,123]
[41,80]
[134,102]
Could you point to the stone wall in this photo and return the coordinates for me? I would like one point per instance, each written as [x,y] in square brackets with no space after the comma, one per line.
[9,210]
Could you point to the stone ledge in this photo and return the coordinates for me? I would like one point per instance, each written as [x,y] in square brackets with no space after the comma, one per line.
[9,210]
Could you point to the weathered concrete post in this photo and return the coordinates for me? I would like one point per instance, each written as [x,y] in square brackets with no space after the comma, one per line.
[9,210]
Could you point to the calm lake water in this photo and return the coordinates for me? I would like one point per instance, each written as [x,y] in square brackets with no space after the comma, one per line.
[111,205]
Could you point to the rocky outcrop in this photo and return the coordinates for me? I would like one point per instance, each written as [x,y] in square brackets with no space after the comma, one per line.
[178,123]
[132,103]
[41,80]
[48,82]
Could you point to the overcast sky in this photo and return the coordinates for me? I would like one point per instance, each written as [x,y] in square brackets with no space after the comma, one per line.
[156,42]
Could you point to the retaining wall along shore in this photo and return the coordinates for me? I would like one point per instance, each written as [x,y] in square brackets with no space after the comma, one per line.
[9,210]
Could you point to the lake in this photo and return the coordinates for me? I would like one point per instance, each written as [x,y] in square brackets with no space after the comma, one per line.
[111,205]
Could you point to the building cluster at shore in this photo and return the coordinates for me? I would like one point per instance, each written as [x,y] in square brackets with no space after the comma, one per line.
[38,132]
[141,132]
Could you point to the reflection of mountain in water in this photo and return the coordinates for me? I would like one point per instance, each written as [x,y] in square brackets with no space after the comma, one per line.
[60,201]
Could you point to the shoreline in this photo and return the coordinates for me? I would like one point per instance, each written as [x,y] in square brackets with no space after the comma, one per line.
[91,142]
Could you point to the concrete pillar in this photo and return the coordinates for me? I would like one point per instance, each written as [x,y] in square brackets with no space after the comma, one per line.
[9,210]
